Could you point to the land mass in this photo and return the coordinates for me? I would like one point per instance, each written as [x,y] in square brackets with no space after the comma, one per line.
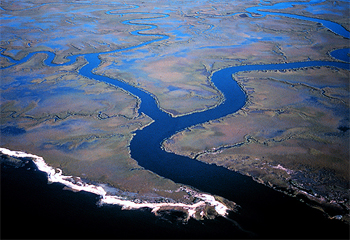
[292,134]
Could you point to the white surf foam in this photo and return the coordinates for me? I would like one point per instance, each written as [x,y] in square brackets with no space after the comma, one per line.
[55,175]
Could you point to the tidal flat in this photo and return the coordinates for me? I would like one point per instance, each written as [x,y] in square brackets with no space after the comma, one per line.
[181,82]
[78,125]
[292,134]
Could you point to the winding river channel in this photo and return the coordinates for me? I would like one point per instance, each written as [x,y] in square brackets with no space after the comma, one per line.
[263,211]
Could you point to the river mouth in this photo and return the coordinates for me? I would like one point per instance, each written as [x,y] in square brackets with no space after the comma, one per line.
[260,210]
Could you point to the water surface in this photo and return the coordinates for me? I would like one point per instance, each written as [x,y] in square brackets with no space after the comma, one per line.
[264,212]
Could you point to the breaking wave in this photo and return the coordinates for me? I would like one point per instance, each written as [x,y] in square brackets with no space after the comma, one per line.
[54,175]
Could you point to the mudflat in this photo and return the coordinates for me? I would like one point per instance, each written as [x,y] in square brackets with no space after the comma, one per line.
[292,134]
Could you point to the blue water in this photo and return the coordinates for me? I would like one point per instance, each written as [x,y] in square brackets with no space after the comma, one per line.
[334,27]
[341,54]
[264,212]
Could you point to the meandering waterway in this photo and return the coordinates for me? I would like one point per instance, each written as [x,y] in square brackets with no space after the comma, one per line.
[262,209]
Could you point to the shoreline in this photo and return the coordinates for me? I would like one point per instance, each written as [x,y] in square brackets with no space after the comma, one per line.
[99,54]
[320,203]
[199,210]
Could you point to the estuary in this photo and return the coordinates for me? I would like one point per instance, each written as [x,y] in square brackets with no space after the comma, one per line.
[262,211]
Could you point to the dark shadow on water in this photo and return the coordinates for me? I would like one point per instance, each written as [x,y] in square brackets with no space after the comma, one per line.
[31,208]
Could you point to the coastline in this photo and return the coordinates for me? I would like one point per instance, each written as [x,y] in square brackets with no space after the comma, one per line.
[198,210]
[199,205]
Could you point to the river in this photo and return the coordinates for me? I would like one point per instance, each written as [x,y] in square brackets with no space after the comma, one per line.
[264,212]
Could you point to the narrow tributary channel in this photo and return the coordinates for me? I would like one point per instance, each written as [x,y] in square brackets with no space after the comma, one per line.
[264,211]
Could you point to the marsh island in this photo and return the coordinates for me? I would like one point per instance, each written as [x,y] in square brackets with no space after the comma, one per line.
[79,82]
